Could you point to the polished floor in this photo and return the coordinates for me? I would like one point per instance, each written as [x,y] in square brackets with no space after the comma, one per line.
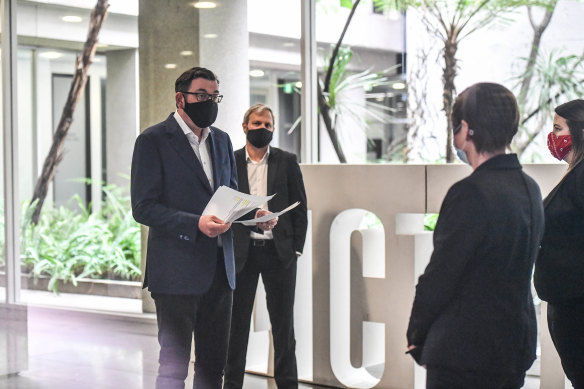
[76,349]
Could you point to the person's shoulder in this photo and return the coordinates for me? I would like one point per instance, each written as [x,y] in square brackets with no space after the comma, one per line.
[283,154]
[157,129]
[240,152]
[578,171]
[219,133]
[466,188]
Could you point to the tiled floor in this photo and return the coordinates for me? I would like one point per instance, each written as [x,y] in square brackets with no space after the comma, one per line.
[71,349]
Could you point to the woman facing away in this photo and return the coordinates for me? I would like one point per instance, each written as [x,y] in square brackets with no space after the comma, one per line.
[473,321]
[559,269]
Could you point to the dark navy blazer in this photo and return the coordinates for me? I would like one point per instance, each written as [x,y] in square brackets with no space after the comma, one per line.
[169,191]
[473,308]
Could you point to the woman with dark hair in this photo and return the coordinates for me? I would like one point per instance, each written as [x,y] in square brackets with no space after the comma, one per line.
[559,269]
[473,321]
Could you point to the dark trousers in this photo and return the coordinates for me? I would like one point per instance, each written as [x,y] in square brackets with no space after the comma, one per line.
[566,324]
[207,316]
[441,378]
[280,283]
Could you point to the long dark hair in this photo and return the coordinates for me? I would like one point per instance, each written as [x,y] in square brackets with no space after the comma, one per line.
[573,112]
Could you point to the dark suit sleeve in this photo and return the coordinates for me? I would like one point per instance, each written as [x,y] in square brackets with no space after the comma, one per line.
[459,231]
[297,193]
[146,193]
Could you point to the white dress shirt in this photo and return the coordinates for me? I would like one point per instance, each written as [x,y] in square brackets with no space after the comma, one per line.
[202,150]
[200,146]
[257,176]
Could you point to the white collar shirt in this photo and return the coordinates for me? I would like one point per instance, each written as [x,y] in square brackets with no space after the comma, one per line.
[257,177]
[201,147]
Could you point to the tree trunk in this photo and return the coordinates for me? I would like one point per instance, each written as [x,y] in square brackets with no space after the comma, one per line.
[55,155]
[448,76]
[538,31]
[326,118]
[323,107]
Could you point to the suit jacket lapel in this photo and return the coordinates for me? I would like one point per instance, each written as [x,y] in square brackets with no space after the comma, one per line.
[180,143]
[241,162]
[213,148]
[273,161]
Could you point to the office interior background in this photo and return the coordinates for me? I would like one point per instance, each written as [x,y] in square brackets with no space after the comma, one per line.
[385,97]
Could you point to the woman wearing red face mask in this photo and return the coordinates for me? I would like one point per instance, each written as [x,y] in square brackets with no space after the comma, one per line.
[559,269]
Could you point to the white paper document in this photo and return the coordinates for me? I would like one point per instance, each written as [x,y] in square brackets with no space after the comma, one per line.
[267,217]
[228,204]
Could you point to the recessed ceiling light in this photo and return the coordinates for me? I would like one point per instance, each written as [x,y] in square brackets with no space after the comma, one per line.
[102,45]
[256,73]
[170,66]
[51,54]
[204,4]
[210,36]
[288,44]
[186,53]
[398,85]
[298,84]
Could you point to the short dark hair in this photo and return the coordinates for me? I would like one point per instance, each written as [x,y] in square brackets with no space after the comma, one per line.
[259,108]
[183,82]
[573,112]
[492,113]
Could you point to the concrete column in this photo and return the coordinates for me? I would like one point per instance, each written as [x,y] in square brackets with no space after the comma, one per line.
[121,114]
[165,28]
[223,48]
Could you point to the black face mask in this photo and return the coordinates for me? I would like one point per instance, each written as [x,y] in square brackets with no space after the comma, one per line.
[259,137]
[203,114]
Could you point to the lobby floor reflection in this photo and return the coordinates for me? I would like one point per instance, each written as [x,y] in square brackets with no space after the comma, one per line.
[77,350]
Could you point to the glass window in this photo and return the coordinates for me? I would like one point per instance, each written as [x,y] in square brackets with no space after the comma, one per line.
[363,83]
[86,240]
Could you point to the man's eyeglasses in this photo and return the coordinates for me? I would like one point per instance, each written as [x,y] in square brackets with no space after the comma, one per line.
[201,96]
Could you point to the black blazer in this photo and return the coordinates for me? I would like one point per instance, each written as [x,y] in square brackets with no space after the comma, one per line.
[284,179]
[473,308]
[559,269]
[169,191]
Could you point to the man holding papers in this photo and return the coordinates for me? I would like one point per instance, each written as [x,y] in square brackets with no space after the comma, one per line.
[263,170]
[177,166]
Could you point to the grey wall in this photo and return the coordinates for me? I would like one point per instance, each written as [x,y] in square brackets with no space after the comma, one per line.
[121,118]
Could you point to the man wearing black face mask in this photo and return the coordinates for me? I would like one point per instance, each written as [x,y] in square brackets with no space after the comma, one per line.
[265,170]
[176,167]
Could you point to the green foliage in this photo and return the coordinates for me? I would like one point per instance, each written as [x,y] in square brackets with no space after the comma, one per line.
[430,220]
[556,77]
[343,80]
[71,244]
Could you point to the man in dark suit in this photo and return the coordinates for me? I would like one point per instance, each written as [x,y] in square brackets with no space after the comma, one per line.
[265,170]
[176,167]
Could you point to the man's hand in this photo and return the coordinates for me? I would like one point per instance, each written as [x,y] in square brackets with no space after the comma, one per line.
[266,226]
[212,226]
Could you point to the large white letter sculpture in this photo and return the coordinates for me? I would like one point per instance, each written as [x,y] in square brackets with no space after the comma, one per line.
[340,298]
